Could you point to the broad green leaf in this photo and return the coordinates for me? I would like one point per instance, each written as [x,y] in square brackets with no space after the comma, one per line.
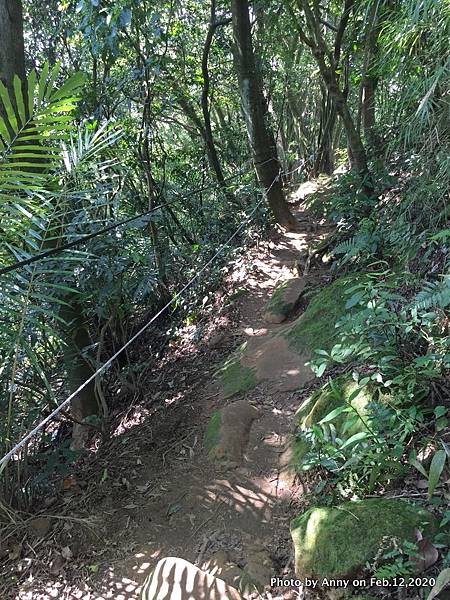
[357,437]
[416,464]
[443,579]
[53,75]
[440,411]
[354,300]
[42,84]
[70,86]
[17,84]
[4,134]
[31,91]
[321,369]
[445,233]
[333,414]
[436,468]
[8,107]
[354,394]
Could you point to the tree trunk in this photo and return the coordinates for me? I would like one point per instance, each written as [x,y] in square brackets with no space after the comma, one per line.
[213,157]
[328,63]
[368,105]
[254,107]
[78,369]
[340,101]
[12,54]
[324,162]
[370,80]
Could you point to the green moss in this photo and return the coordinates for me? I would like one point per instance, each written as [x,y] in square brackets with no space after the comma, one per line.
[235,377]
[277,304]
[316,327]
[212,434]
[337,542]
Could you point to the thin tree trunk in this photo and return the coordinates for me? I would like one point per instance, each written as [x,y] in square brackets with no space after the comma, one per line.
[324,162]
[78,369]
[254,107]
[370,80]
[328,63]
[207,133]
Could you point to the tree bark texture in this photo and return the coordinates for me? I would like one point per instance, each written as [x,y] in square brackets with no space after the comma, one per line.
[328,63]
[254,108]
[370,80]
[12,56]
[213,156]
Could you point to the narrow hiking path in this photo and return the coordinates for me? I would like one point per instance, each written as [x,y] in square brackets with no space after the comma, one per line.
[157,493]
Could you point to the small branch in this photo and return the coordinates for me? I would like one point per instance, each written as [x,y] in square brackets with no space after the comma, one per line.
[329,25]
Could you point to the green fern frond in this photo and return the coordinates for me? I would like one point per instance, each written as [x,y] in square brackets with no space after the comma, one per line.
[434,294]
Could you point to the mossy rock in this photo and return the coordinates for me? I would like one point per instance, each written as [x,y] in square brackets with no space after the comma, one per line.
[322,402]
[228,430]
[338,541]
[316,328]
[236,377]
[284,300]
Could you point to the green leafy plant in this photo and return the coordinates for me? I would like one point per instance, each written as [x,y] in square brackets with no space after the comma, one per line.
[395,562]
[435,471]
[370,457]
[400,340]
[41,204]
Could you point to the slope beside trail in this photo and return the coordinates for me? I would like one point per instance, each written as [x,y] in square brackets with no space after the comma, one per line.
[153,491]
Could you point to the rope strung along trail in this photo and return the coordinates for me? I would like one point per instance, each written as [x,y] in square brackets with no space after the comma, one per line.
[37,257]
[106,364]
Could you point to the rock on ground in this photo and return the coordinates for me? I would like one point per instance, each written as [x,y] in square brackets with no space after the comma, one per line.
[228,432]
[337,541]
[178,579]
[284,300]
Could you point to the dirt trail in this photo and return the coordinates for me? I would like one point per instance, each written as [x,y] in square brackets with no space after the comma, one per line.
[178,502]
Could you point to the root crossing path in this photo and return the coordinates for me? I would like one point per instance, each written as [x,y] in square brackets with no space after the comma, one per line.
[156,491]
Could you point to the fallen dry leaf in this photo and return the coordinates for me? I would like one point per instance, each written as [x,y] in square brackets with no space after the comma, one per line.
[15,552]
[67,553]
[69,483]
[428,555]
[41,526]
[422,484]
[56,565]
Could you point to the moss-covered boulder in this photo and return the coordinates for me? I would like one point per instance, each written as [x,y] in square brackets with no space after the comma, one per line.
[342,391]
[284,300]
[337,542]
[228,430]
